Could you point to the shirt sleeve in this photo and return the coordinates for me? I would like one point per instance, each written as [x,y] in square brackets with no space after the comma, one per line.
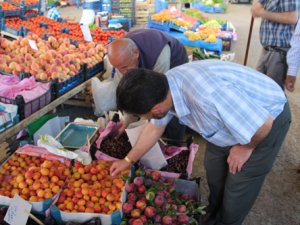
[162,64]
[162,122]
[241,116]
[293,55]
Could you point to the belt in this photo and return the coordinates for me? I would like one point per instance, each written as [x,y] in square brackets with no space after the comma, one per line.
[276,49]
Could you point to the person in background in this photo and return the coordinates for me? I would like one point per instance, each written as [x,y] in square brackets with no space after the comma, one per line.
[293,59]
[243,115]
[149,49]
[278,22]
[53,13]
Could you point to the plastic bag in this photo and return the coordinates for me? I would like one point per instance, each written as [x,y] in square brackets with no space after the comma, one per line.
[104,95]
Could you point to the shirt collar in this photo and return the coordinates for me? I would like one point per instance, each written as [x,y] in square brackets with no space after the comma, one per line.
[180,106]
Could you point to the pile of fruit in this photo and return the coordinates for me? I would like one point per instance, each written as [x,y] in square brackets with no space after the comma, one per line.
[152,199]
[54,28]
[178,163]
[91,189]
[33,178]
[162,16]
[205,33]
[8,7]
[30,12]
[117,148]
[55,58]
[26,2]
[182,23]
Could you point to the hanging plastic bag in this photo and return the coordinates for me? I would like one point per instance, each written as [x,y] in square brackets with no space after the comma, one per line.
[104,95]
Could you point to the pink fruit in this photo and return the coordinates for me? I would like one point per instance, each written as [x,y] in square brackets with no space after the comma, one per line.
[127,207]
[143,218]
[159,200]
[150,211]
[139,181]
[157,219]
[135,213]
[141,204]
[137,222]
[167,220]
[141,189]
[183,219]
[132,197]
[155,175]
[174,206]
[129,187]
[181,208]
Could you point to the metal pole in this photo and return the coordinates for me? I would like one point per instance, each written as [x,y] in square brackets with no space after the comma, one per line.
[248,41]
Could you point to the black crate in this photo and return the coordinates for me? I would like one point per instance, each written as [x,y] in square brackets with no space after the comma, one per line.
[60,88]
[28,108]
[226,44]
[99,67]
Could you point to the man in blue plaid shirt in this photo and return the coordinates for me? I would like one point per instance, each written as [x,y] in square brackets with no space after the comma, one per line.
[53,12]
[279,18]
[242,114]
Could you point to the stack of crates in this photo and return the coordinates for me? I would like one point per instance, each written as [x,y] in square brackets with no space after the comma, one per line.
[141,12]
[115,6]
[127,9]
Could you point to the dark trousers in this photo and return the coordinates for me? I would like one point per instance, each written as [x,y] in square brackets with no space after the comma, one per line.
[273,64]
[232,196]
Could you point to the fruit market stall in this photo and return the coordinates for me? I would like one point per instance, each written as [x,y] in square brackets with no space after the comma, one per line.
[194,29]
[64,189]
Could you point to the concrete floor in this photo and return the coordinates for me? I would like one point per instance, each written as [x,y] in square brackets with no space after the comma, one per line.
[279,200]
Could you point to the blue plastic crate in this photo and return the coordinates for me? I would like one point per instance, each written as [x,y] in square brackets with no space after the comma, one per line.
[60,88]
[92,5]
[207,9]
[11,30]
[99,67]
[177,28]
[163,26]
[6,13]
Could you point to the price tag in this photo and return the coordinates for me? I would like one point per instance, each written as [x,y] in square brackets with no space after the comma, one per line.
[33,45]
[18,211]
[86,32]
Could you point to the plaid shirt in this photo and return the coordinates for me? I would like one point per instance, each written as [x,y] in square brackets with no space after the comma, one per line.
[293,55]
[54,13]
[224,102]
[276,34]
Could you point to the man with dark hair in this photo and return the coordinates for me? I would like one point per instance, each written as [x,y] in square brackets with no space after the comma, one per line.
[149,49]
[243,114]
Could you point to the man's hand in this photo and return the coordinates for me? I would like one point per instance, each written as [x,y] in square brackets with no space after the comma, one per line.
[257,9]
[238,155]
[290,83]
[119,166]
[121,129]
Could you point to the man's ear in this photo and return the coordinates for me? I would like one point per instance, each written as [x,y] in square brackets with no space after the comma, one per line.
[136,53]
[157,108]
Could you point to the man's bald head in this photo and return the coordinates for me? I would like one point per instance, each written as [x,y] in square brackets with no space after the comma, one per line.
[123,54]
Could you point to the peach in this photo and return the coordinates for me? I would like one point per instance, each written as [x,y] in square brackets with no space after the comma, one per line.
[85,191]
[55,189]
[54,179]
[89,210]
[62,207]
[48,195]
[70,205]
[81,202]
[33,199]
[45,171]
[36,185]
[40,193]
[22,185]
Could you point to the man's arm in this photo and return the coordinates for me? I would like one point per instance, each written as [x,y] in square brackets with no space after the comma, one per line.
[293,59]
[278,17]
[146,140]
[239,154]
